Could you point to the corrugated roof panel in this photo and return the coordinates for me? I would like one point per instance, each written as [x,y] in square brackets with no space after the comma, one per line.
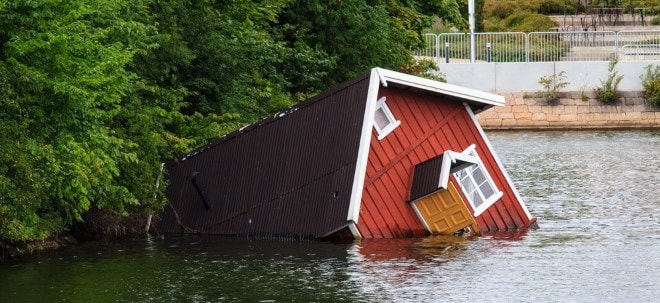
[288,175]
[426,178]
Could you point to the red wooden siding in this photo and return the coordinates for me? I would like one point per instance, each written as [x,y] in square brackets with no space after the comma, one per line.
[429,126]
[507,213]
[384,211]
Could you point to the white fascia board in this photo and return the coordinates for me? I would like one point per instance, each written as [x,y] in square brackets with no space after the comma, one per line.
[450,157]
[463,156]
[363,151]
[429,85]
[444,172]
[419,215]
[352,226]
[499,163]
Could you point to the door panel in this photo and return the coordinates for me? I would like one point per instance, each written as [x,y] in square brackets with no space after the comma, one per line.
[445,212]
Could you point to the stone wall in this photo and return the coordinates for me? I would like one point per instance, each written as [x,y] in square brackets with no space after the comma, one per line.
[571,112]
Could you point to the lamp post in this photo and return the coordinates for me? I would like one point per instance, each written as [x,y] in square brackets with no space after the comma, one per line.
[471,21]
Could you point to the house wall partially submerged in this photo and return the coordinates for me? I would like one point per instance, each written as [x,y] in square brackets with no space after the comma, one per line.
[329,168]
[429,126]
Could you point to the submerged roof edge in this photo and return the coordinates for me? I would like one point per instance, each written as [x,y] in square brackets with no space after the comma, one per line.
[468,94]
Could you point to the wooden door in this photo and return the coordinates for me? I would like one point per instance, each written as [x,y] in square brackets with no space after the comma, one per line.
[445,212]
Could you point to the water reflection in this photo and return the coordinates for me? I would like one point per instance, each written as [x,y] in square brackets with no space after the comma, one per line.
[595,195]
[438,268]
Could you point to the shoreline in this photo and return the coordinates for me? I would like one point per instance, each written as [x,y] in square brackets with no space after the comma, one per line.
[571,112]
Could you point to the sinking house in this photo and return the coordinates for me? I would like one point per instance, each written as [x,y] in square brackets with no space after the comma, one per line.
[380,156]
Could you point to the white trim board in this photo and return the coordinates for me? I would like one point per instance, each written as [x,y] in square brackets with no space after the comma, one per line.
[363,150]
[428,85]
[450,157]
[499,163]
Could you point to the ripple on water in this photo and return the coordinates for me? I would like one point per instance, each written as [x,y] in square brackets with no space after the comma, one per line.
[595,195]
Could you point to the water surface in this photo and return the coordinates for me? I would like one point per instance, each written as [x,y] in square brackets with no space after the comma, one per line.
[596,196]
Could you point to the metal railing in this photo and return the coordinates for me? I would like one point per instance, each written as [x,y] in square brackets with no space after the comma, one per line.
[572,46]
[543,46]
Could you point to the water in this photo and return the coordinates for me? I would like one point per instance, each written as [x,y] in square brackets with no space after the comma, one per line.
[596,196]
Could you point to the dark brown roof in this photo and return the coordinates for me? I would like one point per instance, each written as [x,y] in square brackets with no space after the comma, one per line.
[287,175]
[428,174]
[426,178]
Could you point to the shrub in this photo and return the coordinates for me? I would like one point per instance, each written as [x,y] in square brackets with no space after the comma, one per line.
[655,20]
[424,68]
[500,9]
[609,90]
[528,22]
[556,7]
[651,84]
[582,86]
[552,84]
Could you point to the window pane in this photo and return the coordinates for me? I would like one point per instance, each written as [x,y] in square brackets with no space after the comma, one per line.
[476,198]
[478,174]
[466,182]
[381,118]
[486,190]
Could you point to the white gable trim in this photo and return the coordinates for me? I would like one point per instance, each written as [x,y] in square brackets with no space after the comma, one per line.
[497,160]
[467,94]
[419,216]
[363,150]
[450,157]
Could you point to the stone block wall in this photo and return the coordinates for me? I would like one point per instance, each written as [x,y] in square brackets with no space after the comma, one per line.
[571,112]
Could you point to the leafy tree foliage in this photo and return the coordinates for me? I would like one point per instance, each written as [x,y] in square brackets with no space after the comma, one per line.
[96,94]
[358,35]
[64,84]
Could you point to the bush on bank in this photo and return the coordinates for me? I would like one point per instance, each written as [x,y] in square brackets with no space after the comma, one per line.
[96,94]
[651,84]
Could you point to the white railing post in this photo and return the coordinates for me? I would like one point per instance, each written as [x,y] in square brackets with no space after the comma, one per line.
[527,47]
[437,49]
[616,45]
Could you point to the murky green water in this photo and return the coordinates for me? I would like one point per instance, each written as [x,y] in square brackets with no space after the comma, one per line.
[596,195]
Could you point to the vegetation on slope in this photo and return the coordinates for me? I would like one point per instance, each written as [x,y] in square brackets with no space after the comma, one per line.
[96,94]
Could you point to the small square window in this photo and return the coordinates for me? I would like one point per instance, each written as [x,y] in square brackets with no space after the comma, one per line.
[384,121]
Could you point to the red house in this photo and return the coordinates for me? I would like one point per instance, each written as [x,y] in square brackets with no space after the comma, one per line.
[380,156]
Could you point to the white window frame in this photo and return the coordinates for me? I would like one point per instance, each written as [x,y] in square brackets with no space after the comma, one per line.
[393,122]
[478,165]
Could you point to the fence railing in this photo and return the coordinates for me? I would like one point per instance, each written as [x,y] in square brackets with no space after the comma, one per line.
[543,46]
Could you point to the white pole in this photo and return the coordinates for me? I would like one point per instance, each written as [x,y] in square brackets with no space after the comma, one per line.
[471,21]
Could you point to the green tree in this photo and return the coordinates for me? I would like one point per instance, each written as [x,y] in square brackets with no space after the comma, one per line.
[225,56]
[64,86]
[96,94]
[359,35]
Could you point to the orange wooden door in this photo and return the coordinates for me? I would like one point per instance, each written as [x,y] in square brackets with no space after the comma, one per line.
[445,212]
